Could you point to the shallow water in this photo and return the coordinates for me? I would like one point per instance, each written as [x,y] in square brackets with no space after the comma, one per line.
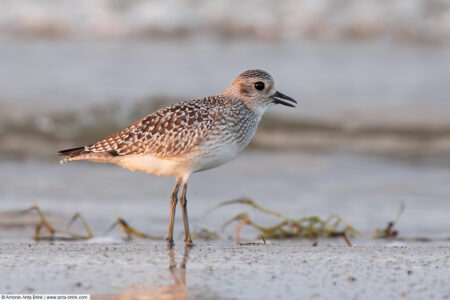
[369,82]
[365,190]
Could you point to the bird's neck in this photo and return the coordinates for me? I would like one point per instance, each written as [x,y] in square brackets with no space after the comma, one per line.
[256,106]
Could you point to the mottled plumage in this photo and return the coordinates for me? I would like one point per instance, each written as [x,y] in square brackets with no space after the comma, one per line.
[190,136]
[178,129]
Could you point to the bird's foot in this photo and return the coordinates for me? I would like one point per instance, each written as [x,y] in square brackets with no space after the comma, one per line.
[189,243]
[170,242]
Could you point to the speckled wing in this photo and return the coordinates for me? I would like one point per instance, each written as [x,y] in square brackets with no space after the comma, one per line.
[168,132]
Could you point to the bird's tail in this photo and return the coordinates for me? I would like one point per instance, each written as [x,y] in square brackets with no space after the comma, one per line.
[72,151]
[72,154]
[80,153]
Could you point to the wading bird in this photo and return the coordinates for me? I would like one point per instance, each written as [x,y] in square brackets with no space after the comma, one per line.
[190,136]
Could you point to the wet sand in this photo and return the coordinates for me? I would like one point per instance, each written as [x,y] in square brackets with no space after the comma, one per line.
[226,271]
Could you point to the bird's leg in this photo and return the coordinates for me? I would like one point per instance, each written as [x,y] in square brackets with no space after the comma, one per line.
[183,202]
[173,205]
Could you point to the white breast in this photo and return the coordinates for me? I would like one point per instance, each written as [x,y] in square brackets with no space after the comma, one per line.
[218,151]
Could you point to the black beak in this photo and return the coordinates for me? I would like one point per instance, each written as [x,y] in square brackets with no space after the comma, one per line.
[279,97]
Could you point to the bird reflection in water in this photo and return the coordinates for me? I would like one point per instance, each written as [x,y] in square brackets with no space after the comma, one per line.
[178,274]
[176,291]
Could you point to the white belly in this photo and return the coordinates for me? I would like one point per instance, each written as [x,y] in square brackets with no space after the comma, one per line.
[181,166]
[209,160]
[154,165]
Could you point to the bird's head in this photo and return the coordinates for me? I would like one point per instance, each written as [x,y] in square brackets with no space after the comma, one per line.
[257,90]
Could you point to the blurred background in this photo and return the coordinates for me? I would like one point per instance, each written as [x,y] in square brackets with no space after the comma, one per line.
[372,128]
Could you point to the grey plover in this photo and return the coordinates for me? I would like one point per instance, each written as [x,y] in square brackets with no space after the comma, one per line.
[190,136]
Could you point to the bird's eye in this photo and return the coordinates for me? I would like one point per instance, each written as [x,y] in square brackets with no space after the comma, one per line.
[259,85]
